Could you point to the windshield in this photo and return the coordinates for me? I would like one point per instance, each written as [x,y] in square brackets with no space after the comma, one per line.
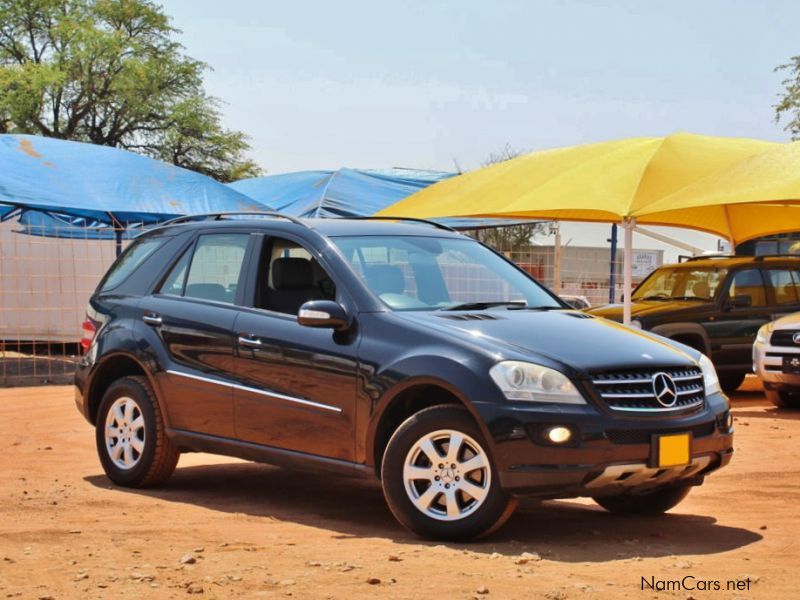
[681,283]
[429,273]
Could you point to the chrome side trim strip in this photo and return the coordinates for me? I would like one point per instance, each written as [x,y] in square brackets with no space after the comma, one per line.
[253,390]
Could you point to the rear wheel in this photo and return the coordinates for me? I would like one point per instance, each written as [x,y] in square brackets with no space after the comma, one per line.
[651,503]
[730,382]
[439,479]
[131,442]
[784,398]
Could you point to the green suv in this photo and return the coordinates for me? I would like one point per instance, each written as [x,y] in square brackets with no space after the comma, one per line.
[715,304]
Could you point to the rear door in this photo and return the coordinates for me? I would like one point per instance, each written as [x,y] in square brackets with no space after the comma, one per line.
[297,384]
[735,328]
[191,316]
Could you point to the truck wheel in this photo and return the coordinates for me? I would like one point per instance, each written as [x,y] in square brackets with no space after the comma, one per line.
[784,398]
[651,503]
[439,479]
[730,382]
[131,442]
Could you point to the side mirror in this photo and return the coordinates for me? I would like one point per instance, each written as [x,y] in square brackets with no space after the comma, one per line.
[324,314]
[740,301]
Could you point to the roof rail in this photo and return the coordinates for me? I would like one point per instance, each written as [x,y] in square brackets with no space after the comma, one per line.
[763,256]
[415,220]
[705,256]
[219,215]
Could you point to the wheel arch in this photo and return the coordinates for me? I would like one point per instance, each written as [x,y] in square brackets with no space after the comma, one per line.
[406,399]
[691,334]
[112,368]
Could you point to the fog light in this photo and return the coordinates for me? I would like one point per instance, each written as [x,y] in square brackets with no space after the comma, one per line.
[558,435]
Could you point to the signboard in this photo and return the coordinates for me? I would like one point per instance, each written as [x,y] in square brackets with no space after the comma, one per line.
[645,261]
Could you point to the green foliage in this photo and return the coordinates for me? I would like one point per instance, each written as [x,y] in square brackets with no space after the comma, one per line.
[789,105]
[109,72]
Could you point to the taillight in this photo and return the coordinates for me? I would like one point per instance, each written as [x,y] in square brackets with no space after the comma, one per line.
[88,331]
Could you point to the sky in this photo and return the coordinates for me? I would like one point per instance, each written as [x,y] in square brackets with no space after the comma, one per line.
[444,84]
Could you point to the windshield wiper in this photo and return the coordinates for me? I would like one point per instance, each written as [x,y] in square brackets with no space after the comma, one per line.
[483,305]
[668,298]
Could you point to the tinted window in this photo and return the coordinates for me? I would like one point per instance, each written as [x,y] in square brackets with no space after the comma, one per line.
[748,282]
[289,276]
[127,263]
[216,266]
[428,273]
[786,285]
[173,284]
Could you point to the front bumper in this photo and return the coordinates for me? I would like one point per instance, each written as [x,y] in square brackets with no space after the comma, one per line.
[768,365]
[608,454]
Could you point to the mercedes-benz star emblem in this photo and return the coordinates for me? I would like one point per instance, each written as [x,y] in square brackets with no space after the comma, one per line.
[665,390]
[796,338]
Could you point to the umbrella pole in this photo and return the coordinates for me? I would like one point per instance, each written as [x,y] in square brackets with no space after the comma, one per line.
[627,267]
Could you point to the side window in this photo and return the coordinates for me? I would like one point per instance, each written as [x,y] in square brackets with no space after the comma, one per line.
[748,282]
[214,271]
[289,276]
[173,284]
[132,258]
[786,285]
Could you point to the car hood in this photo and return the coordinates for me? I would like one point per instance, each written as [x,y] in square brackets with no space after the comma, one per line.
[649,308]
[788,322]
[573,338]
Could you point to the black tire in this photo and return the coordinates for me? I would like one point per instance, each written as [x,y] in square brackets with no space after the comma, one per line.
[158,457]
[730,382]
[652,503]
[784,398]
[483,518]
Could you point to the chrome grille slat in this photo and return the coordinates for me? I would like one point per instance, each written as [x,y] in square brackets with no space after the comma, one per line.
[632,391]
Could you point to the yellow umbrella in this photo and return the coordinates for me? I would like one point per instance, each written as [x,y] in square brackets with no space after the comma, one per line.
[609,181]
[759,195]
[687,178]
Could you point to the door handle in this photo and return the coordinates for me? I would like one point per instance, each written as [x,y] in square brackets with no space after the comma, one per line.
[151,319]
[249,341]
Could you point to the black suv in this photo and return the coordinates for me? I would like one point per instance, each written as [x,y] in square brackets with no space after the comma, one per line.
[715,305]
[406,352]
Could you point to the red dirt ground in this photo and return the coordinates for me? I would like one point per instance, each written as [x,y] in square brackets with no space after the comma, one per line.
[225,528]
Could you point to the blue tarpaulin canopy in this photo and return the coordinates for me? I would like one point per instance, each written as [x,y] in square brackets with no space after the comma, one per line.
[347,192]
[103,184]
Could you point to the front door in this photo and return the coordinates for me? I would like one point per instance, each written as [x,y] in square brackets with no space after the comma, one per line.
[745,309]
[297,384]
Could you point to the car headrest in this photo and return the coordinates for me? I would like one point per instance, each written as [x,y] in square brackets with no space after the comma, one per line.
[291,273]
[385,279]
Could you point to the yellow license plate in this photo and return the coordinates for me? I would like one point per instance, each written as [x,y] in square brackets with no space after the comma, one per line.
[674,450]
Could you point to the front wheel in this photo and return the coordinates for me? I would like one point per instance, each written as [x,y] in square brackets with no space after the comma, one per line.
[730,382]
[650,503]
[439,480]
[131,442]
[784,398]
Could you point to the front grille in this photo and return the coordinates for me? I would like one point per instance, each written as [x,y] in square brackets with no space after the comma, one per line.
[784,337]
[632,391]
[642,436]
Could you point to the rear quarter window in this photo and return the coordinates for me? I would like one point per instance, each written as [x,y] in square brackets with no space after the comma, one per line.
[134,256]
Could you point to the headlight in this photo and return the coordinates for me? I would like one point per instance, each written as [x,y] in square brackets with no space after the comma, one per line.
[534,383]
[762,337]
[710,380]
[636,324]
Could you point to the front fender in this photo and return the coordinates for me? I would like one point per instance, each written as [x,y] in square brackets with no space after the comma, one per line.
[670,330]
[468,380]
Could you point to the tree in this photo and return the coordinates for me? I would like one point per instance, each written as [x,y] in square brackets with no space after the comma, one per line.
[109,72]
[789,104]
[512,238]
